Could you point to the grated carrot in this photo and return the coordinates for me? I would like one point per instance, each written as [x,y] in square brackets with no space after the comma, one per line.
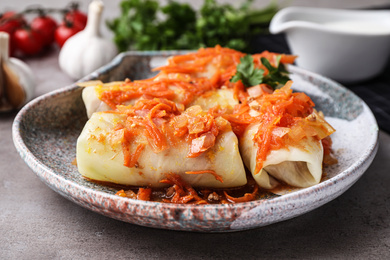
[144,194]
[184,192]
[247,196]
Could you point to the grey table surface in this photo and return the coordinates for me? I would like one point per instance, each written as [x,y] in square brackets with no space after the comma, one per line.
[38,223]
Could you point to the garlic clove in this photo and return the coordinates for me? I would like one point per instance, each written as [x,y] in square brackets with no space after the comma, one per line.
[17,81]
[26,77]
[87,50]
[1,85]
[14,92]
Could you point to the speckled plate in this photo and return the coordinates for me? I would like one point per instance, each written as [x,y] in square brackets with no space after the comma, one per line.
[45,133]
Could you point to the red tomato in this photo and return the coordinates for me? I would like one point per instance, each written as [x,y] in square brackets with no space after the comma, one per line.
[75,16]
[46,26]
[64,32]
[9,23]
[28,41]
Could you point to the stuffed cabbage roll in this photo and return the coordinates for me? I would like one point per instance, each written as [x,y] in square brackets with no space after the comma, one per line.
[299,165]
[104,97]
[284,141]
[92,102]
[138,145]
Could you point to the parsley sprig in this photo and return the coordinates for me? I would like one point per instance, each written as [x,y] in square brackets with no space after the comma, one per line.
[277,76]
[247,73]
[251,76]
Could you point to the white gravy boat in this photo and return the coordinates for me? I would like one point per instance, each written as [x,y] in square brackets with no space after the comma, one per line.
[345,45]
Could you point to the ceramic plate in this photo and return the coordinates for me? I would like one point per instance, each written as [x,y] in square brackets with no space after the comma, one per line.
[45,133]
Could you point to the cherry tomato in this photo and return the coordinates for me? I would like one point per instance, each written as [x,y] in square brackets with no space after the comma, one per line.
[28,41]
[46,26]
[64,32]
[75,16]
[9,23]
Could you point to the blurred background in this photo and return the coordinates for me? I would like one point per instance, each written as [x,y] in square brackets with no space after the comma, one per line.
[197,3]
[112,6]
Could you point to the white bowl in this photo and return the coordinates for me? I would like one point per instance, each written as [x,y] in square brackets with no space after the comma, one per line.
[345,45]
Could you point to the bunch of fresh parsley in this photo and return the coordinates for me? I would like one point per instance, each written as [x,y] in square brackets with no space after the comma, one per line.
[145,25]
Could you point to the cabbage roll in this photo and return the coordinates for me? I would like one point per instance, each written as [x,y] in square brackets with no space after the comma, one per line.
[299,166]
[100,155]
[224,98]
[106,96]
[92,102]
[283,140]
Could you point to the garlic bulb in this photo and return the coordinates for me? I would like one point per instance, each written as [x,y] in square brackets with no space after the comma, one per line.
[87,50]
[17,82]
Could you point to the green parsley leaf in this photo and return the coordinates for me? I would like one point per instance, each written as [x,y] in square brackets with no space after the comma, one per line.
[251,76]
[247,73]
[278,76]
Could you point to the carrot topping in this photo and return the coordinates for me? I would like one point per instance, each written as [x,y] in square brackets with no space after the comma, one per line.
[222,60]
[217,177]
[155,136]
[144,194]
[135,156]
[119,94]
[150,116]
[130,159]
[163,126]
[247,196]
[126,154]
[197,61]
[200,129]
[121,193]
[201,144]
[181,192]
[184,193]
